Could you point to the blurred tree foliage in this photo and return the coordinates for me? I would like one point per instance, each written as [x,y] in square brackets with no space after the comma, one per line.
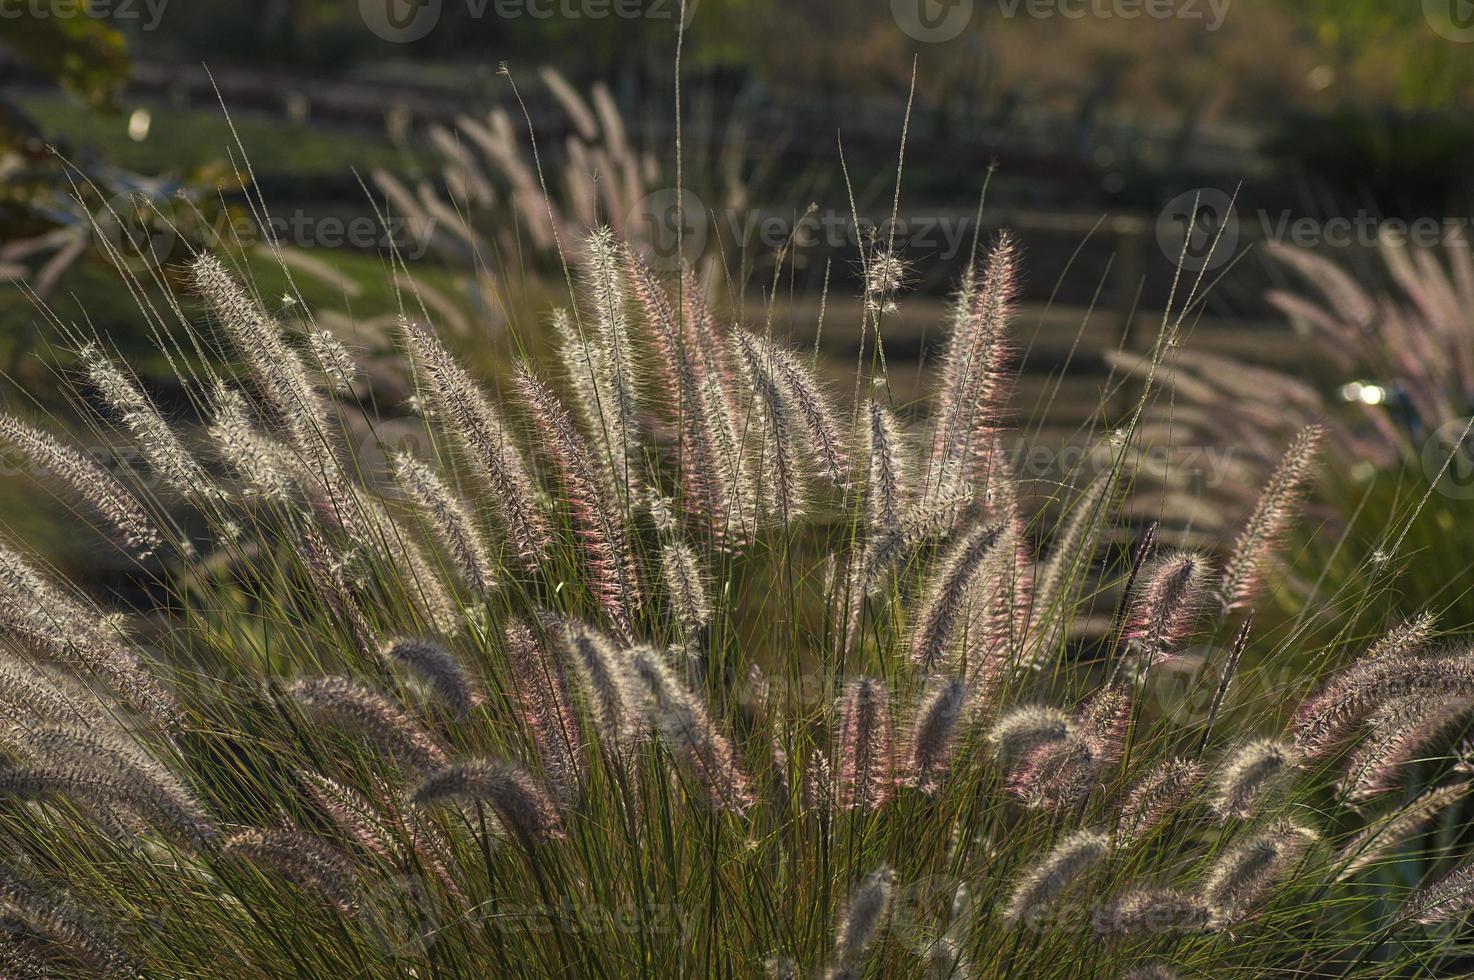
[64,206]
[85,54]
[1394,48]
[331,34]
[1405,162]
[1381,52]
[89,59]
[1396,133]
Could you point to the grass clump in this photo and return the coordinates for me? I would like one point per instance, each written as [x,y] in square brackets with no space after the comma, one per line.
[552,700]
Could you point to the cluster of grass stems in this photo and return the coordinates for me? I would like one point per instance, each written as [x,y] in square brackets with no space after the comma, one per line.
[668,663]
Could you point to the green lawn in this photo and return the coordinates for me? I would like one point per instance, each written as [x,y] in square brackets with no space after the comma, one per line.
[182,139]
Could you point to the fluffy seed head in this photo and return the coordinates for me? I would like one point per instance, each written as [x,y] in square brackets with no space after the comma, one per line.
[283,380]
[1271,519]
[610,353]
[336,362]
[883,279]
[998,610]
[819,784]
[1399,734]
[888,484]
[1248,774]
[974,370]
[264,464]
[864,918]
[1157,796]
[1103,722]
[1166,604]
[86,480]
[685,585]
[447,518]
[716,477]
[1449,898]
[486,441]
[1243,877]
[604,679]
[29,697]
[684,723]
[1405,639]
[154,436]
[864,746]
[1021,730]
[114,770]
[603,532]
[348,704]
[356,817]
[948,594]
[1151,911]
[542,693]
[104,790]
[935,733]
[35,612]
[1344,704]
[1044,882]
[1372,844]
[520,804]
[300,858]
[1056,775]
[1060,773]
[62,923]
[776,419]
[437,667]
[811,408]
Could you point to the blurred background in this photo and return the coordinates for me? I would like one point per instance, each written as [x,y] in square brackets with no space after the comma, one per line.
[1097,113]
[364,144]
